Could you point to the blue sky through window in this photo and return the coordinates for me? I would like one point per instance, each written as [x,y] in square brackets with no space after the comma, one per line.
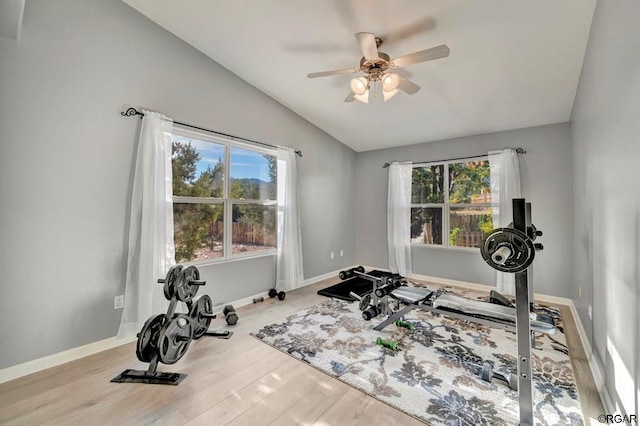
[244,163]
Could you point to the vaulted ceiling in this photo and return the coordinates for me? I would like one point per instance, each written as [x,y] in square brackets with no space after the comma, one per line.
[512,63]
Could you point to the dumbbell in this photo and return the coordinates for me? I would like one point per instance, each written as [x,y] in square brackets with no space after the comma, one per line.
[487,374]
[350,272]
[387,343]
[230,315]
[404,324]
[273,293]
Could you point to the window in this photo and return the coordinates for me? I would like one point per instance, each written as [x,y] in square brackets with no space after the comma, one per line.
[451,204]
[224,198]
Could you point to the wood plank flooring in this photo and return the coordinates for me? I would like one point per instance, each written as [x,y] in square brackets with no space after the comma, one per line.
[239,381]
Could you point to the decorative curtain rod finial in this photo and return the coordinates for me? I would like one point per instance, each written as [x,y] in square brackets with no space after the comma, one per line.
[130,112]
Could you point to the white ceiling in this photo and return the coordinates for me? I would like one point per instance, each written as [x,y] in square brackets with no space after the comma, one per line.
[513,63]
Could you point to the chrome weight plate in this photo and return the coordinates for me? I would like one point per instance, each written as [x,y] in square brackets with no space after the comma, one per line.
[174,339]
[148,338]
[508,250]
[201,305]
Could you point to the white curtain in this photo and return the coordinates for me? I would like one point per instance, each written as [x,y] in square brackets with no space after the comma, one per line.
[289,272]
[151,251]
[505,186]
[399,218]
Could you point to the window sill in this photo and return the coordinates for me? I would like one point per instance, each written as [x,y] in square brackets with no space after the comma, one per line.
[438,247]
[234,258]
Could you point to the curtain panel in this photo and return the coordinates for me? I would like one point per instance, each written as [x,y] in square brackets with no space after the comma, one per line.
[289,268]
[505,186]
[151,250]
[399,218]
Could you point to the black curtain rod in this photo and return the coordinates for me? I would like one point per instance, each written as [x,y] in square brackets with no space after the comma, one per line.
[518,151]
[132,111]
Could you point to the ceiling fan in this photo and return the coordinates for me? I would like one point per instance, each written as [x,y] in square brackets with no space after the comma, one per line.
[377,65]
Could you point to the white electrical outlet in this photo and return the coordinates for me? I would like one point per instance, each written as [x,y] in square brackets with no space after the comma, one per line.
[332,255]
[590,313]
[118,302]
[579,292]
[341,253]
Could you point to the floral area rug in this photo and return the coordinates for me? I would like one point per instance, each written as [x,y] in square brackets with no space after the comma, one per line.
[430,376]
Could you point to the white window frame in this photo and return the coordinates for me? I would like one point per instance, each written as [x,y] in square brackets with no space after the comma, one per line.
[226,201]
[446,205]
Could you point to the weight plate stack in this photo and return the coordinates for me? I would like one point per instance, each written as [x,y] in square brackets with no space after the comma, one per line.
[184,289]
[169,281]
[201,305]
[148,338]
[174,339]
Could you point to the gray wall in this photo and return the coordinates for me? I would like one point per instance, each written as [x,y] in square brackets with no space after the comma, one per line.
[546,182]
[606,204]
[66,161]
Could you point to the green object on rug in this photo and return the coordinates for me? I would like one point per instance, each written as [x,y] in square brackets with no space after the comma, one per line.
[422,380]
[387,343]
[404,324]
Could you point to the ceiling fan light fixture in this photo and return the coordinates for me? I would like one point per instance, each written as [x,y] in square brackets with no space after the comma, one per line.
[364,98]
[390,82]
[359,86]
[388,94]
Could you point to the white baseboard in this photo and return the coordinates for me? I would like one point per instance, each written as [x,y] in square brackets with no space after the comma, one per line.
[59,358]
[594,364]
[323,277]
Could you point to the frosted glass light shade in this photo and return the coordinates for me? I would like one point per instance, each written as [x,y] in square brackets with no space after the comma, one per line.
[358,85]
[390,82]
[364,98]
[388,94]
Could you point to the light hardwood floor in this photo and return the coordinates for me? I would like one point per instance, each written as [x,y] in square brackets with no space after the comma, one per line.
[239,381]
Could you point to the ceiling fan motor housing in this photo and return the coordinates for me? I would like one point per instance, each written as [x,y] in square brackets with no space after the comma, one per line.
[376,67]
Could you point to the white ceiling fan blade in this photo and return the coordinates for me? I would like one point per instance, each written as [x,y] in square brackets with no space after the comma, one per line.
[368,46]
[407,86]
[334,72]
[437,52]
[350,97]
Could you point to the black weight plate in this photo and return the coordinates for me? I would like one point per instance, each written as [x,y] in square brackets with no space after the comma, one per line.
[204,305]
[148,338]
[364,302]
[170,280]
[184,289]
[522,248]
[359,269]
[174,339]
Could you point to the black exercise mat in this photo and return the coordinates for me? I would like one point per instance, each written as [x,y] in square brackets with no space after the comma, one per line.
[358,285]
